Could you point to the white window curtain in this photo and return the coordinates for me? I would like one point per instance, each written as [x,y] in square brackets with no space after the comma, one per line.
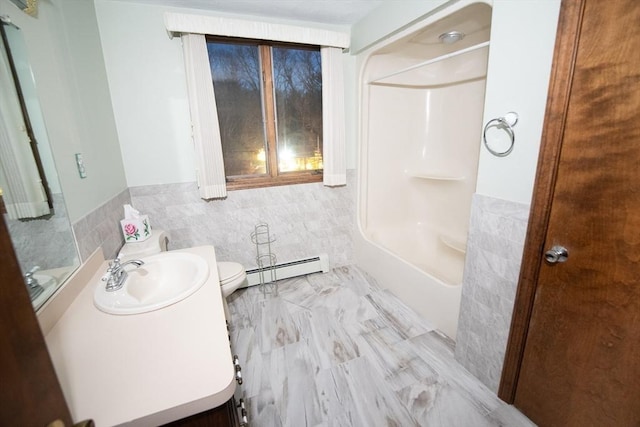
[204,118]
[23,193]
[334,150]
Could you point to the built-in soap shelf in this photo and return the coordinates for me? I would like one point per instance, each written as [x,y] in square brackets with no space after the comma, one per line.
[413,74]
[456,244]
[436,176]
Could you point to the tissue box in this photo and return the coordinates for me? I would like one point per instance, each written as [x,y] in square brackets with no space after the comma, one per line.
[136,230]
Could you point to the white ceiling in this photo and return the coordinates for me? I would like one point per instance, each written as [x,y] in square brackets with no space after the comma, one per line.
[336,12]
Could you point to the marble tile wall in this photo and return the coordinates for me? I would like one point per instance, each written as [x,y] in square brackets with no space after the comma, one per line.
[494,251]
[307,219]
[101,227]
[46,242]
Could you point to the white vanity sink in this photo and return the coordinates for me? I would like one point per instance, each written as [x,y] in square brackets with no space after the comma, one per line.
[117,370]
[164,279]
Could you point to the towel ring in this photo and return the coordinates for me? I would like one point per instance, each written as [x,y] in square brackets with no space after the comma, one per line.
[507,122]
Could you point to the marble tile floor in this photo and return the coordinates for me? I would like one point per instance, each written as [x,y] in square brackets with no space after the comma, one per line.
[335,349]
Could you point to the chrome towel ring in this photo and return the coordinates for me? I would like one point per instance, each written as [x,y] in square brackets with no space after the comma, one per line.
[507,122]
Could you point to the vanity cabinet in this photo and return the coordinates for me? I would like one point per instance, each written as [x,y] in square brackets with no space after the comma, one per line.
[225,415]
[230,414]
[152,344]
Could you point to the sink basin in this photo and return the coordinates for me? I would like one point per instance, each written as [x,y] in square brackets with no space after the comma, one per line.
[164,279]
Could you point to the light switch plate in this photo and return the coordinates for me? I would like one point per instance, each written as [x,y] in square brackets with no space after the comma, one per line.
[80,163]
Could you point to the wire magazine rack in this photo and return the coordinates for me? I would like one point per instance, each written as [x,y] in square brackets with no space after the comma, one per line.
[265,258]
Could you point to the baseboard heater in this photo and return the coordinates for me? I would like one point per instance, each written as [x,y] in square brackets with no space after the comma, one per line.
[290,269]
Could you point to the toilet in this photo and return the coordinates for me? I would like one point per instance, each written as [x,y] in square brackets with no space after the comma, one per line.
[232,275]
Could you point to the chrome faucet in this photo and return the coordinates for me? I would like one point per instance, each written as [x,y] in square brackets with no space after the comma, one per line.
[35,289]
[116,274]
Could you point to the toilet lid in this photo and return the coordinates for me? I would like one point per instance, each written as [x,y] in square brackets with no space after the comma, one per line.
[229,271]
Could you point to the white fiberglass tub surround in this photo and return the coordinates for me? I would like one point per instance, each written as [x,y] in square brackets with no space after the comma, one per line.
[422,105]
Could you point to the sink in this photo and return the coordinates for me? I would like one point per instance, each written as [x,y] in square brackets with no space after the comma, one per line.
[164,279]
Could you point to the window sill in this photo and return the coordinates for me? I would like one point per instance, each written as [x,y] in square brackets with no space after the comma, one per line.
[261,182]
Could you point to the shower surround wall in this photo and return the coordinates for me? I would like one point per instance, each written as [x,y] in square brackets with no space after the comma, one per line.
[494,253]
[306,219]
[421,114]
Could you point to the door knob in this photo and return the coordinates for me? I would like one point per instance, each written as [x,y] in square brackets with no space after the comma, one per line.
[556,254]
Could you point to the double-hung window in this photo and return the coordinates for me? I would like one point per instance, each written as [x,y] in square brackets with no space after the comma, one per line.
[266,102]
[269,102]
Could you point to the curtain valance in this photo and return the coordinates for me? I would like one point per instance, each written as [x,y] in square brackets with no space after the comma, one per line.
[180,23]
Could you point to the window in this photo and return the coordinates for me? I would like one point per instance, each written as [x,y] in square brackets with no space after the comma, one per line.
[269,102]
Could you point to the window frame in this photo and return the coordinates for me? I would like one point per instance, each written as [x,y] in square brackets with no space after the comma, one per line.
[273,177]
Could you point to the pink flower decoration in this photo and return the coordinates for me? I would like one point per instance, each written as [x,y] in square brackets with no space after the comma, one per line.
[130,229]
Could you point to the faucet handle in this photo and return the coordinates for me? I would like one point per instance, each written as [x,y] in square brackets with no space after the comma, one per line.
[29,273]
[29,276]
[114,265]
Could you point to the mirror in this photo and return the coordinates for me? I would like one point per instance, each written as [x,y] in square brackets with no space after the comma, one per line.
[34,208]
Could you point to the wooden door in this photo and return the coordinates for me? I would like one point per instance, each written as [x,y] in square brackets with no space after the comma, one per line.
[30,394]
[574,353]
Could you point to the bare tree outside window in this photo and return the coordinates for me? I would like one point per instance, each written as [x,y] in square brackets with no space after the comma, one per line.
[236,78]
[298,88]
[269,101]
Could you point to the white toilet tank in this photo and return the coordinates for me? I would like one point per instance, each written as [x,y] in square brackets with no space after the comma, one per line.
[153,245]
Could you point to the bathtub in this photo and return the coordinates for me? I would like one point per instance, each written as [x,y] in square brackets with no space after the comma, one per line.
[421,107]
[424,248]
